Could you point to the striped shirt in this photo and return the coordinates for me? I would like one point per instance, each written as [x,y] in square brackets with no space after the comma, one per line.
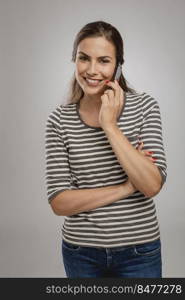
[79,156]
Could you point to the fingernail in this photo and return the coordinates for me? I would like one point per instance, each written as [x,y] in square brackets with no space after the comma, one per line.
[150,152]
[153,158]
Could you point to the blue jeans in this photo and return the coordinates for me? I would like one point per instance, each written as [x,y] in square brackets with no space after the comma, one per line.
[136,261]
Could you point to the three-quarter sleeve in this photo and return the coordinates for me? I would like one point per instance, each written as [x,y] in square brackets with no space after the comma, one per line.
[57,172]
[151,134]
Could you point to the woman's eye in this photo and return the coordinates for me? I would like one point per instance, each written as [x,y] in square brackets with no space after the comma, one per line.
[105,61]
[83,58]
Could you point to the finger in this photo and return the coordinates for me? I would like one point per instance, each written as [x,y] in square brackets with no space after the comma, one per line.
[146,153]
[150,158]
[110,94]
[105,99]
[140,145]
[118,89]
[115,86]
[149,153]
[112,84]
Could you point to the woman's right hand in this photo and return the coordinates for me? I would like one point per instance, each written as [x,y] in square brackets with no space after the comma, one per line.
[147,153]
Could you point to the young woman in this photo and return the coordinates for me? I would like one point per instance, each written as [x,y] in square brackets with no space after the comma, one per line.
[105,162]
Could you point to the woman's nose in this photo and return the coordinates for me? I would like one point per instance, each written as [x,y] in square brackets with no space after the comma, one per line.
[92,69]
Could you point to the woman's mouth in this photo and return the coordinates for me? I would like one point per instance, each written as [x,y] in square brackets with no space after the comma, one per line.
[93,82]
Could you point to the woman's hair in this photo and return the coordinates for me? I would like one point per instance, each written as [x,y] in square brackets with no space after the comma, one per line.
[97,29]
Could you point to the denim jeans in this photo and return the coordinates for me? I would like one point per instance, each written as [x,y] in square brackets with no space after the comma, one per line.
[135,261]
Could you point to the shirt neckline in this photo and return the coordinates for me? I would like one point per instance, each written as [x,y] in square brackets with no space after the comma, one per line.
[95,127]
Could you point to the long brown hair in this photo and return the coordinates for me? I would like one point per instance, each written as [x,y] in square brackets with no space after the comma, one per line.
[97,29]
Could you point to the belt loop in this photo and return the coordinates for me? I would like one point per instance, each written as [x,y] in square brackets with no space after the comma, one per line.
[109,256]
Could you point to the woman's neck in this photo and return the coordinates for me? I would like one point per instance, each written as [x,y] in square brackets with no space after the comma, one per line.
[91,103]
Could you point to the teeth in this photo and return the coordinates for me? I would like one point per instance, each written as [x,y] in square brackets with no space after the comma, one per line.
[92,80]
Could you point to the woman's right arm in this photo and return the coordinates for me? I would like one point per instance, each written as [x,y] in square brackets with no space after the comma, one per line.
[71,202]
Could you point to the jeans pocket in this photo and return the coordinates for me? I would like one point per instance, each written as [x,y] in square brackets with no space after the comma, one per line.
[69,246]
[148,249]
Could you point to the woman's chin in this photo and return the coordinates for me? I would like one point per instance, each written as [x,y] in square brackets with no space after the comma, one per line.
[94,91]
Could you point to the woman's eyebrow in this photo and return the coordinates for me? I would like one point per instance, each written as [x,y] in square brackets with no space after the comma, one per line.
[98,57]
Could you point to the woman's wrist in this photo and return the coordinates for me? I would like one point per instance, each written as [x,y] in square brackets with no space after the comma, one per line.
[126,189]
[131,187]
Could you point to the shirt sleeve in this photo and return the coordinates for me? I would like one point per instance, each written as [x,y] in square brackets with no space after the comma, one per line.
[57,172]
[151,134]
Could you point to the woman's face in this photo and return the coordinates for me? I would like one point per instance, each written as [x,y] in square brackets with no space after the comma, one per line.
[95,63]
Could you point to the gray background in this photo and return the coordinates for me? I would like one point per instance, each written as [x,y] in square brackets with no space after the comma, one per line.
[36,45]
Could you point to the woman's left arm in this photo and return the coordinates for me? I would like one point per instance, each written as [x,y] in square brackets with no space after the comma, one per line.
[147,176]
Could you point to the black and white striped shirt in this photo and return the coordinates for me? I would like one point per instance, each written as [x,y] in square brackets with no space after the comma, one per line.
[79,156]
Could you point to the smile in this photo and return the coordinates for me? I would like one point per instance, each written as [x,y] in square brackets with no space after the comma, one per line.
[93,82]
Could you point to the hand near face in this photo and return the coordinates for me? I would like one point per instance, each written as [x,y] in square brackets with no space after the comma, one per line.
[112,103]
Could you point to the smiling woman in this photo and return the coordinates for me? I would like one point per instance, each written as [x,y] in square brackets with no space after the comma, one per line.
[107,56]
[92,70]
[98,175]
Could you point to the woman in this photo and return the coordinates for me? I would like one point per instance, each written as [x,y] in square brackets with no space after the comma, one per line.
[98,175]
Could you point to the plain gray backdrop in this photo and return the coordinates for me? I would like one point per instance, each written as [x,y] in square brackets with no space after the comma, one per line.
[36,47]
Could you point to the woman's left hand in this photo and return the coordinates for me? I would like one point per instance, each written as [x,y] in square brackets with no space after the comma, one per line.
[112,103]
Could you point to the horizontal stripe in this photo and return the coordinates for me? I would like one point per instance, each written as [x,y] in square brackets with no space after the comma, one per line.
[112,243]
[79,156]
